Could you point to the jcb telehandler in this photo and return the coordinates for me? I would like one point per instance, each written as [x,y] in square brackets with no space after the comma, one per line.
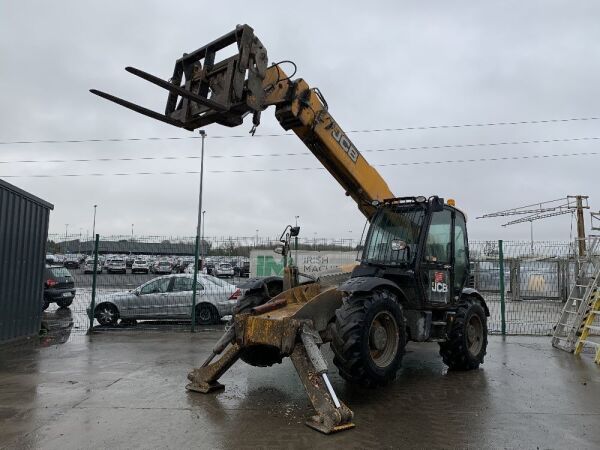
[411,280]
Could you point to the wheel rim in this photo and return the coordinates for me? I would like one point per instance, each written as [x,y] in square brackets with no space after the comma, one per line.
[474,334]
[106,315]
[383,339]
[204,314]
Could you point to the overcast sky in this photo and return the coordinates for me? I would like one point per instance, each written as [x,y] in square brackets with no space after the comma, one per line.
[379,65]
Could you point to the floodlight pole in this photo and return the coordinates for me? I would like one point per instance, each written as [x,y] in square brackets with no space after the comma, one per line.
[198,229]
[198,243]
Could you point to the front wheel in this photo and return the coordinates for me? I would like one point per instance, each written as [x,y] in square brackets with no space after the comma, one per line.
[206,314]
[467,340]
[107,314]
[369,337]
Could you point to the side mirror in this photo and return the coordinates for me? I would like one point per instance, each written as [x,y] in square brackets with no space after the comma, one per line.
[436,203]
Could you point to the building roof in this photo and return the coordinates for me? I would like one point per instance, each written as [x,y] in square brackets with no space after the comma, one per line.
[27,195]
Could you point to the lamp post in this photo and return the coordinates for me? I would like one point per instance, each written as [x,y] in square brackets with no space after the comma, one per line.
[199,224]
[66,233]
[203,135]
[202,253]
[94,224]
[131,232]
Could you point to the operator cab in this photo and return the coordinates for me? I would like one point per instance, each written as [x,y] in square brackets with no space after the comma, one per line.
[421,245]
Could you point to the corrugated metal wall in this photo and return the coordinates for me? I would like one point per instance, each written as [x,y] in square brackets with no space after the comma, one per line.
[23,235]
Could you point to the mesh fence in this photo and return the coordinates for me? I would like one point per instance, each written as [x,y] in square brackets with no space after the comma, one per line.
[147,282]
[537,281]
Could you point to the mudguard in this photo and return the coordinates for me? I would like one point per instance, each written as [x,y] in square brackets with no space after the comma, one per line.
[475,293]
[367,284]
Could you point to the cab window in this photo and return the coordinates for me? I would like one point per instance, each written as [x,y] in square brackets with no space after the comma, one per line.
[438,246]
[460,251]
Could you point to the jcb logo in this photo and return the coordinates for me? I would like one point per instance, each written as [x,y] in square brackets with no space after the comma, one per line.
[439,287]
[345,143]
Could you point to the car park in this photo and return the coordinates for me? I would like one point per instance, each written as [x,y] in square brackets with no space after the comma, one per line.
[223,270]
[140,266]
[170,298]
[59,287]
[88,266]
[116,265]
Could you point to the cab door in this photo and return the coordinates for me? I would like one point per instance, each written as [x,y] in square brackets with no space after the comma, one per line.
[436,264]
[461,254]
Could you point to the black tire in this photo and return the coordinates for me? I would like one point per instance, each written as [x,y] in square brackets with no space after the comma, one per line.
[64,303]
[363,354]
[467,340]
[206,314]
[106,314]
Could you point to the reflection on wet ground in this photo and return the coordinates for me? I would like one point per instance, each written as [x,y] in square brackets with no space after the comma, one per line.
[126,390]
[56,327]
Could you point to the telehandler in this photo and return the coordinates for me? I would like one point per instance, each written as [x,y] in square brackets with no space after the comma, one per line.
[411,283]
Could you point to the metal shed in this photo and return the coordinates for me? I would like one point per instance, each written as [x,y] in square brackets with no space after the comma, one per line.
[23,235]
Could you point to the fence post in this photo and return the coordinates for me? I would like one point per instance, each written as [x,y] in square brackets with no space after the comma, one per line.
[93,305]
[502,305]
[195,285]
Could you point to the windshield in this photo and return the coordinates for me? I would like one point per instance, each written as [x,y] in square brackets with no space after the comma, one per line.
[395,223]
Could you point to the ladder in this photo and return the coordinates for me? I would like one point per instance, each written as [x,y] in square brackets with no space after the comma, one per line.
[589,326]
[581,300]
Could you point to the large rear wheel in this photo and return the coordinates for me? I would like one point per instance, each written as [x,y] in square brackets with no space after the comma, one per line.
[467,340]
[369,338]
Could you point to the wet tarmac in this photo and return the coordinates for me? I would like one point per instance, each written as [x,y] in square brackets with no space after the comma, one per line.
[125,389]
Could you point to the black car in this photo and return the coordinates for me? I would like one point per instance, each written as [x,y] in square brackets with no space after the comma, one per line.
[245,269]
[59,287]
[71,263]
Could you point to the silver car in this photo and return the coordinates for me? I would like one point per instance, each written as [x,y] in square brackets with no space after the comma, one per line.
[170,297]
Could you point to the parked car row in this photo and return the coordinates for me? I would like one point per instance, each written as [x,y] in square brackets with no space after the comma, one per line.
[219,266]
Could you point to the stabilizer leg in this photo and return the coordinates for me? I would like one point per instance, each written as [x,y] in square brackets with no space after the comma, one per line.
[204,379]
[329,418]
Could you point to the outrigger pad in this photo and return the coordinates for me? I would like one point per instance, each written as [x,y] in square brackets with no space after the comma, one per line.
[204,90]
[315,424]
[205,388]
